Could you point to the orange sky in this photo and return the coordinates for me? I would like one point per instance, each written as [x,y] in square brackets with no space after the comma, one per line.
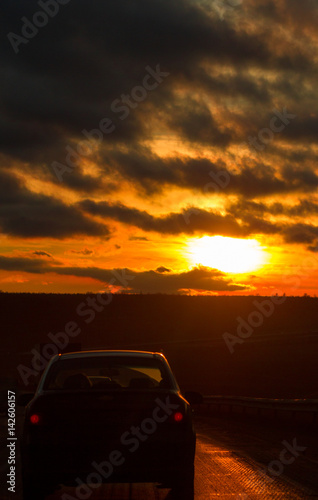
[149,127]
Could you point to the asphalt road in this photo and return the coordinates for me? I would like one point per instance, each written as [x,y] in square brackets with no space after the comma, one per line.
[233,461]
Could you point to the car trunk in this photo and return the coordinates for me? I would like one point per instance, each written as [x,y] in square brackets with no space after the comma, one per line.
[77,428]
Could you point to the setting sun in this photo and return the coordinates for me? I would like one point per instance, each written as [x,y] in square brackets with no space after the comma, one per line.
[230,255]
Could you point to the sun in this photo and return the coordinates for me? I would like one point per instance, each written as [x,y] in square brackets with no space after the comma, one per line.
[230,255]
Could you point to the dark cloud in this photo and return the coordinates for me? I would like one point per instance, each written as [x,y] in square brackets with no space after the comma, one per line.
[313,248]
[189,221]
[77,181]
[27,265]
[305,177]
[27,214]
[259,225]
[199,279]
[243,85]
[255,215]
[85,252]
[251,208]
[66,77]
[194,122]
[303,208]
[162,269]
[300,233]
[138,238]
[42,254]
[253,179]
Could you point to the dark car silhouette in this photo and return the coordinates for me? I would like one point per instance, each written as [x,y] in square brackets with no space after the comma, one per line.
[107,416]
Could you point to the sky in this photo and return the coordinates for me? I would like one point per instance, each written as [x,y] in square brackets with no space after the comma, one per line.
[163,146]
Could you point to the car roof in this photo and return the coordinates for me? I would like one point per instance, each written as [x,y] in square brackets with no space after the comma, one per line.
[108,353]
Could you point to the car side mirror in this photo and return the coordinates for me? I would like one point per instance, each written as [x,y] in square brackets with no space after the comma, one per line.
[194,398]
[25,398]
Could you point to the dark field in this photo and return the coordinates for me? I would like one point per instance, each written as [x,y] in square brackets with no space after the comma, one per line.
[276,358]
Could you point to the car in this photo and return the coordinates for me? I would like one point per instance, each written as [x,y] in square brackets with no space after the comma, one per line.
[107,416]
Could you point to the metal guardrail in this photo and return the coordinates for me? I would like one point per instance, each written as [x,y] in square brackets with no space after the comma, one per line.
[298,410]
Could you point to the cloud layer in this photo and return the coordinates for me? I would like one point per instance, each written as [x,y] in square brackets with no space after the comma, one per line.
[211,127]
[130,281]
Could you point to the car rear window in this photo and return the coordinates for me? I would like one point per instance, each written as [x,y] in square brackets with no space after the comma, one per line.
[103,373]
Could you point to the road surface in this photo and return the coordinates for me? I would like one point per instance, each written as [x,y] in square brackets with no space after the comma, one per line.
[231,463]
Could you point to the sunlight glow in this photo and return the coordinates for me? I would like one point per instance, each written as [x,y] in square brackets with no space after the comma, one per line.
[230,255]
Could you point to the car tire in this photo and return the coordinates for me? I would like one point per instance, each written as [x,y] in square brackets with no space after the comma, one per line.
[183,484]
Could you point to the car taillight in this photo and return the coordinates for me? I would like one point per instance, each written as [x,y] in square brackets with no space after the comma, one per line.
[178,416]
[35,419]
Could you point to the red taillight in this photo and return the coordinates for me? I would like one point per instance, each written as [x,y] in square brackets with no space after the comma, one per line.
[178,416]
[35,419]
